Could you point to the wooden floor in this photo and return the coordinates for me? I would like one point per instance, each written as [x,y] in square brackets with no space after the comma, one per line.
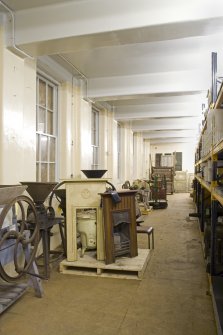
[172,298]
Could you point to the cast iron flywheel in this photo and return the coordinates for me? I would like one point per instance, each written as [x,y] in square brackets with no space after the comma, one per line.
[24,236]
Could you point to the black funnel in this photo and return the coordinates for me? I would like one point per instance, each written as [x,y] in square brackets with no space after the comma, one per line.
[39,191]
[94,173]
[61,194]
[10,192]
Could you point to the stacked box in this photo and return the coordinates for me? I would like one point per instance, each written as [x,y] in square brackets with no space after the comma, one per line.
[190,178]
[217,126]
[207,135]
[183,182]
[180,182]
[207,171]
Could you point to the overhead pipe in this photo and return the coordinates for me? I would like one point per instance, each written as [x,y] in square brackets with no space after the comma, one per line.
[80,73]
[13,31]
[83,77]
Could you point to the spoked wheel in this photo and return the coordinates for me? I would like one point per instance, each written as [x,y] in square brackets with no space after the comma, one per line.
[23,234]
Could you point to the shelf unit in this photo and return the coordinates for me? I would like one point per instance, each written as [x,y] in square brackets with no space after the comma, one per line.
[208,193]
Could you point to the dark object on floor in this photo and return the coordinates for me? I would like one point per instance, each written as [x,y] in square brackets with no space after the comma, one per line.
[195,215]
[160,204]
[139,220]
[150,233]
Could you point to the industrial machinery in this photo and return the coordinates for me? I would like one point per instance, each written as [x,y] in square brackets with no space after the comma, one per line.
[39,191]
[158,193]
[166,173]
[86,227]
[61,198]
[18,245]
[86,217]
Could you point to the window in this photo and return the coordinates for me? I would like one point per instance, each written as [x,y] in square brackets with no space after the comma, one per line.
[46,129]
[158,160]
[178,161]
[119,151]
[95,138]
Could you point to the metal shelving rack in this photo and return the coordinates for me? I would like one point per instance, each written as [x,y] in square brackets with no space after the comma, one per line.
[208,194]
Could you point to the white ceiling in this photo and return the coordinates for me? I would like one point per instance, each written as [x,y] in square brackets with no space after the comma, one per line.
[149,60]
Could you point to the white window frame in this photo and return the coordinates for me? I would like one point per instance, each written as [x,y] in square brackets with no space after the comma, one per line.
[119,144]
[95,138]
[42,133]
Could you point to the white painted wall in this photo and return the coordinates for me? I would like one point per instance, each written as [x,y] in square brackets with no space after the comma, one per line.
[108,143]
[187,150]
[138,156]
[146,159]
[74,132]
[126,155]
[113,151]
[65,150]
[17,117]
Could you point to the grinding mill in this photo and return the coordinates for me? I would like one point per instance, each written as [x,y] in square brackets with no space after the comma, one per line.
[39,191]
[19,240]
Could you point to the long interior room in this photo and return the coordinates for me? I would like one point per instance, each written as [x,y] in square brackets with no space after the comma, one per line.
[111,167]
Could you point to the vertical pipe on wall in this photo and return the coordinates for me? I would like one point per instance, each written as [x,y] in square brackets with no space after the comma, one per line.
[72,130]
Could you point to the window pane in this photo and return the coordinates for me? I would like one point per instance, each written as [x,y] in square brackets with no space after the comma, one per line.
[37,147]
[119,151]
[50,97]
[52,172]
[94,127]
[92,137]
[95,138]
[52,143]
[49,123]
[46,112]
[44,148]
[44,172]
[178,162]
[41,120]
[95,157]
[42,93]
[37,172]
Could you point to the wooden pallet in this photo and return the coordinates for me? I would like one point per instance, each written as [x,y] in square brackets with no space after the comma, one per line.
[123,268]
[9,293]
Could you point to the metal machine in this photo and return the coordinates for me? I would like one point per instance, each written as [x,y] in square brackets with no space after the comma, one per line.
[39,191]
[86,217]
[18,245]
[158,193]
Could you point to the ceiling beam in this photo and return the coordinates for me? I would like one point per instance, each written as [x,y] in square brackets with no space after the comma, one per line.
[101,89]
[80,25]
[172,140]
[169,134]
[157,110]
[166,124]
